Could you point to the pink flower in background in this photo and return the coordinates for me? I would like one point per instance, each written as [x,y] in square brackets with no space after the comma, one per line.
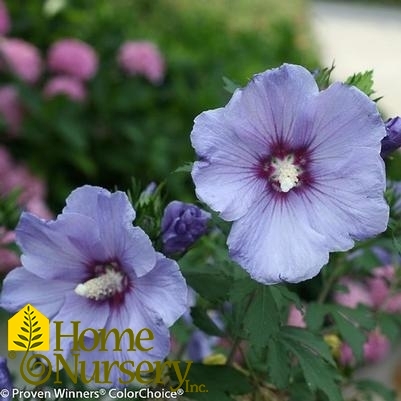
[21,58]
[346,357]
[73,57]
[11,110]
[5,23]
[16,176]
[142,58]
[71,87]
[295,317]
[376,347]
[8,258]
[355,293]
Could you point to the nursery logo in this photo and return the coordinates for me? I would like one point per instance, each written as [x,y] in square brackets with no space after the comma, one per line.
[29,330]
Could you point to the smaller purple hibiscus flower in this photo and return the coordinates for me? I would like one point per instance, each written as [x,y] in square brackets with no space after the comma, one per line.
[92,265]
[182,224]
[392,141]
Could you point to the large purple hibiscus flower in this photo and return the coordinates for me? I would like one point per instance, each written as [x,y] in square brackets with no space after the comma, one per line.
[92,265]
[298,171]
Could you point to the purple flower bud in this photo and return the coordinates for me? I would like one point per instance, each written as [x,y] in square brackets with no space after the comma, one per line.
[392,141]
[5,380]
[182,225]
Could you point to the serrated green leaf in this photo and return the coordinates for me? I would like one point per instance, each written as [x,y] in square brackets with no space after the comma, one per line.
[308,340]
[277,363]
[262,319]
[20,344]
[363,81]
[314,316]
[36,344]
[350,333]
[283,297]
[317,372]
[388,326]
[322,76]
[211,285]
[203,321]
[372,386]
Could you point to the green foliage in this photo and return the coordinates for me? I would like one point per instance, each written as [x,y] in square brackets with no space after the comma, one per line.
[129,127]
[219,382]
[363,81]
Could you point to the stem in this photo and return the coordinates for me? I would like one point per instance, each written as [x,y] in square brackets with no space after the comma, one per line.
[338,270]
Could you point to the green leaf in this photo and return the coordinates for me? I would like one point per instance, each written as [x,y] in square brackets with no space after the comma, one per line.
[24,330]
[371,386]
[229,85]
[36,345]
[317,372]
[283,297]
[211,285]
[22,337]
[277,363]
[350,333]
[314,316]
[308,340]
[363,81]
[202,320]
[388,326]
[220,381]
[35,330]
[262,319]
[20,344]
[322,76]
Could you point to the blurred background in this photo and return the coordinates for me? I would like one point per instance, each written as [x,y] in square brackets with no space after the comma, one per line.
[98,91]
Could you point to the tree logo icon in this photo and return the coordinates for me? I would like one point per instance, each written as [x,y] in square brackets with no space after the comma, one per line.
[28,330]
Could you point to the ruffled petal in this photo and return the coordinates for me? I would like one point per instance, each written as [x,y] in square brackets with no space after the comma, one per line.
[59,249]
[21,287]
[342,118]
[347,203]
[163,290]
[265,111]
[227,166]
[114,214]
[275,242]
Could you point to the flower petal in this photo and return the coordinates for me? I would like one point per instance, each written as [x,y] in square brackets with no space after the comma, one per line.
[114,214]
[163,290]
[21,287]
[59,249]
[266,110]
[90,315]
[274,242]
[343,118]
